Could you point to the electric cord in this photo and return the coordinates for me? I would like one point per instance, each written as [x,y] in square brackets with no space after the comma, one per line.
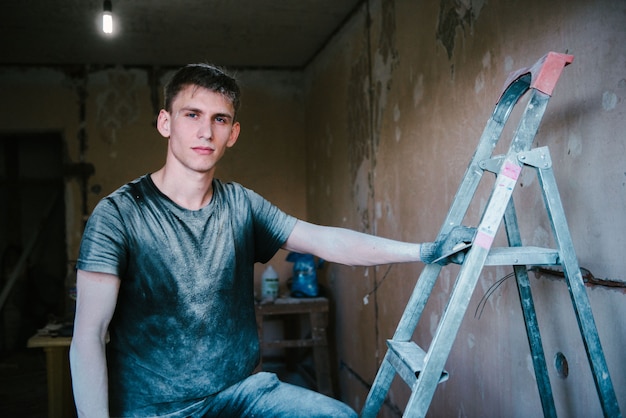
[483,301]
[366,297]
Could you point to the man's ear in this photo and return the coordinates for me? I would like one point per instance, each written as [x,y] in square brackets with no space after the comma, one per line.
[234,134]
[163,123]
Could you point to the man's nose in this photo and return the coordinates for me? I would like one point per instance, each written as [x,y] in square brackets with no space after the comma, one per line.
[205,130]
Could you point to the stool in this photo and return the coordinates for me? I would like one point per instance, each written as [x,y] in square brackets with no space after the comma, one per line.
[317,310]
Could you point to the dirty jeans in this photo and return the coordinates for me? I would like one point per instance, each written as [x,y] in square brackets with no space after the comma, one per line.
[263,395]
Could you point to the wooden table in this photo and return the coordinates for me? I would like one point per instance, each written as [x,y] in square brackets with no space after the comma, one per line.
[60,399]
[317,311]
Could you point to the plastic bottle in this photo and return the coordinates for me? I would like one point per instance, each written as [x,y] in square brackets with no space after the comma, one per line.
[269,284]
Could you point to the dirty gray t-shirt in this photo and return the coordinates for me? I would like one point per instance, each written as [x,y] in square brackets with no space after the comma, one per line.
[184,325]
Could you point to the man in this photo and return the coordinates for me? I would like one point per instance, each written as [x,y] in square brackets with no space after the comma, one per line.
[166,268]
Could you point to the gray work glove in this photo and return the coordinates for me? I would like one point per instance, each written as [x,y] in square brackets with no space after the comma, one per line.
[434,251]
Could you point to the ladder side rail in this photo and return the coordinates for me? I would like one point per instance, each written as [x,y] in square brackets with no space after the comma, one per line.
[530,317]
[404,331]
[380,388]
[467,278]
[578,294]
[445,334]
[421,292]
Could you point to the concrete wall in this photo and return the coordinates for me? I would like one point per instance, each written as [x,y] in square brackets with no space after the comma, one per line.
[394,112]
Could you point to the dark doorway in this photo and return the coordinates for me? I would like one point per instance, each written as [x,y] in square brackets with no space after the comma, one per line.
[32,222]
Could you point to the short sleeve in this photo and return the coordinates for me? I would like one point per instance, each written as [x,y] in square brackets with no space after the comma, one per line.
[103,248]
[272,226]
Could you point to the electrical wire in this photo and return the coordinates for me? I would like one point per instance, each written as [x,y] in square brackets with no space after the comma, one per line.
[366,297]
[489,292]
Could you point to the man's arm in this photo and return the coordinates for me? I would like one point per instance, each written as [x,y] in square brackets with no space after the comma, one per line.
[95,304]
[349,247]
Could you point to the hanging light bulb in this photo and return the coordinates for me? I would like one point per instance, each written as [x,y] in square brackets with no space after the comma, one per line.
[107,17]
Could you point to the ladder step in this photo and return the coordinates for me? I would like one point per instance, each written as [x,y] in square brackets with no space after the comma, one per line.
[522,256]
[408,360]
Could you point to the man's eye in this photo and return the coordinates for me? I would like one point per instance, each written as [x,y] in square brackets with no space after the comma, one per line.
[192,115]
[220,119]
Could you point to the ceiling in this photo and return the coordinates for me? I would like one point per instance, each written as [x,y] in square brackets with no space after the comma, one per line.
[233,33]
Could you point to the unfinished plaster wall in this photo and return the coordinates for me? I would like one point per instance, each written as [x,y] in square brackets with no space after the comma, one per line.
[106,118]
[394,112]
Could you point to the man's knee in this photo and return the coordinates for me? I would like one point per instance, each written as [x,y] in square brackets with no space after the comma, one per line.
[329,407]
[345,412]
[276,398]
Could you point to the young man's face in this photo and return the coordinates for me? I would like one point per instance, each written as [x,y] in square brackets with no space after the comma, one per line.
[200,128]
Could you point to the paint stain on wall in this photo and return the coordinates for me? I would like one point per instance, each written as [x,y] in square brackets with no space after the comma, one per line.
[574,144]
[384,62]
[396,118]
[358,114]
[117,105]
[479,82]
[387,38]
[455,14]
[609,100]
[471,341]
[541,237]
[418,91]
[359,135]
[371,78]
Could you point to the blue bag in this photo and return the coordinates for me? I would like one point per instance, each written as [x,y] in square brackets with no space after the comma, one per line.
[304,281]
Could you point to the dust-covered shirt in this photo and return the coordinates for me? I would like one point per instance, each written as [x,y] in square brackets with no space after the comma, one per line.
[184,325]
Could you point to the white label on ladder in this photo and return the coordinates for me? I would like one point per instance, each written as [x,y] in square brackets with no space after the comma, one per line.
[497,205]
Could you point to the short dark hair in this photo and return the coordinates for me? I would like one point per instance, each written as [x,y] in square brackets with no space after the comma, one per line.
[203,75]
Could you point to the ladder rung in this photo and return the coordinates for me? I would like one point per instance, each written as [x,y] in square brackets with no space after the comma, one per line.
[522,256]
[408,360]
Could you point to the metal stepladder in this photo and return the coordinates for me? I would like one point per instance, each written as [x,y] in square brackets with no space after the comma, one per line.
[421,370]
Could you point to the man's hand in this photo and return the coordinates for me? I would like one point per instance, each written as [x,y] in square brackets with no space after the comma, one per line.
[449,247]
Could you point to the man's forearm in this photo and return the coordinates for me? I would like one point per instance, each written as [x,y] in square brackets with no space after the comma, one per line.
[350,247]
[368,250]
[89,377]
